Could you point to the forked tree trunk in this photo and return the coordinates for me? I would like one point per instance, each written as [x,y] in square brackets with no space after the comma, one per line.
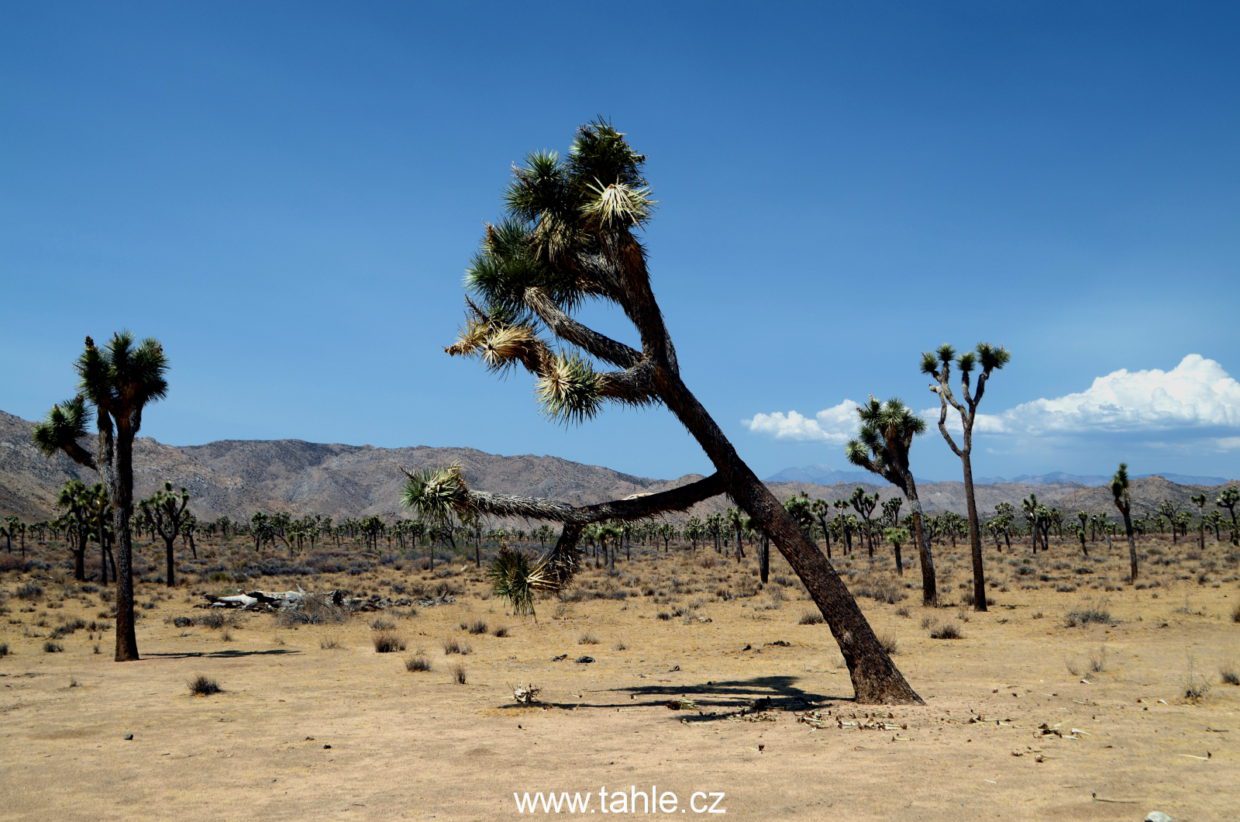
[874,677]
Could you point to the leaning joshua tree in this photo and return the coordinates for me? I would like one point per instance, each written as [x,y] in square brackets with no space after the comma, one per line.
[882,446]
[939,366]
[1119,490]
[117,381]
[570,236]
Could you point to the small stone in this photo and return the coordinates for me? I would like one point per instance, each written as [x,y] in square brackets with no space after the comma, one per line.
[128,736]
[1157,816]
[585,660]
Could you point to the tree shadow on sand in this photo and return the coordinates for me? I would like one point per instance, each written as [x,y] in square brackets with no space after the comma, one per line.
[225,654]
[714,699]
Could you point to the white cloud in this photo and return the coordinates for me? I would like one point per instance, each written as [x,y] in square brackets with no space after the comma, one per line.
[837,424]
[1198,394]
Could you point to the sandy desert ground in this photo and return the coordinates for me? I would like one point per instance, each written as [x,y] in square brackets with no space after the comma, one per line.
[702,680]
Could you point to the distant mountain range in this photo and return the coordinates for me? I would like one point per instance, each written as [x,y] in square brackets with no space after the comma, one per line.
[825,475]
[238,477]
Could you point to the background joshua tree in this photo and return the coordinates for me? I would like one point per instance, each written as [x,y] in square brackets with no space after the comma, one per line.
[74,499]
[939,366]
[1119,490]
[1229,498]
[571,235]
[897,535]
[168,513]
[117,382]
[882,446]
[864,504]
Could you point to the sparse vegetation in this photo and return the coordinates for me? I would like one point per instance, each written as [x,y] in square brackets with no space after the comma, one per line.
[386,642]
[417,664]
[203,686]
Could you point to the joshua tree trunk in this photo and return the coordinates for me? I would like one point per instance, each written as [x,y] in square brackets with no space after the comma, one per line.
[170,563]
[975,536]
[764,559]
[120,481]
[874,677]
[1132,548]
[79,556]
[899,558]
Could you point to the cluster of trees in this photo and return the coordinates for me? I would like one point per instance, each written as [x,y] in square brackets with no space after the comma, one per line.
[570,233]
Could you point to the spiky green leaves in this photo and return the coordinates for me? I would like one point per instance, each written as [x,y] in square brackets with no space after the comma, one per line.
[1119,484]
[883,443]
[569,389]
[121,378]
[617,205]
[437,495]
[992,357]
[64,426]
[515,579]
[599,152]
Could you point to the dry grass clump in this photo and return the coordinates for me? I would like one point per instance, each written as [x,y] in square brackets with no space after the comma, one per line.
[1094,613]
[454,646]
[203,686]
[1227,673]
[811,618]
[386,643]
[458,674]
[948,630]
[417,664]
[476,628]
[51,647]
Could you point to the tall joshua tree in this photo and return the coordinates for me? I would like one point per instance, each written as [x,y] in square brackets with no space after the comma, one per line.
[1119,491]
[570,235]
[116,381]
[169,513]
[74,500]
[939,366]
[882,446]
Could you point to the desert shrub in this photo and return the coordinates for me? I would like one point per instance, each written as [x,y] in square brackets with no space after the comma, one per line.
[4,649]
[587,639]
[29,591]
[382,625]
[811,618]
[500,632]
[453,646]
[51,647]
[881,590]
[1092,613]
[1235,613]
[458,674]
[889,644]
[1227,673]
[417,663]
[902,612]
[67,628]
[203,686]
[329,643]
[386,643]
[477,627]
[948,630]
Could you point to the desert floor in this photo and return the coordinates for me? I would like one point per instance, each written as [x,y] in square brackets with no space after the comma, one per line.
[691,689]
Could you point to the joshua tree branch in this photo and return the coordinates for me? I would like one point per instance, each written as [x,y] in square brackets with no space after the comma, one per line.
[943,426]
[643,507]
[569,330]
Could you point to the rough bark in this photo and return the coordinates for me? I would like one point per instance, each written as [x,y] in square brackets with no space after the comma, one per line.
[121,482]
[874,677]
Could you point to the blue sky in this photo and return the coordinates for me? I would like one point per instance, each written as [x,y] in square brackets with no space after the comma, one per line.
[286,194]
